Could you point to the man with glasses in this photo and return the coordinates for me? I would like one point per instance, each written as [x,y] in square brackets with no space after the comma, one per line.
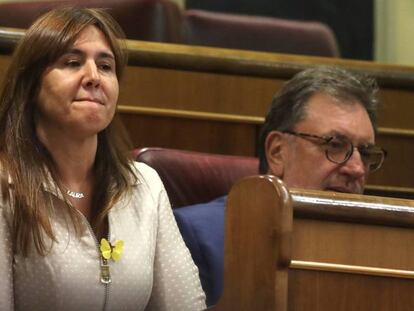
[318,134]
[320,131]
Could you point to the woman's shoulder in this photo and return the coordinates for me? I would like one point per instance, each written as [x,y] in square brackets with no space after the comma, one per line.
[145,173]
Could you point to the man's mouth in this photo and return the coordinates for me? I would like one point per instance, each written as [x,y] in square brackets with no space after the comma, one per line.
[343,189]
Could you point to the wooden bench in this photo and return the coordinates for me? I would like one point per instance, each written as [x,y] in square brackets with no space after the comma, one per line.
[310,250]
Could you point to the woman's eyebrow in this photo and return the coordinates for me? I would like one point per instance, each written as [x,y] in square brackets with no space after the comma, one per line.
[103,54]
[73,51]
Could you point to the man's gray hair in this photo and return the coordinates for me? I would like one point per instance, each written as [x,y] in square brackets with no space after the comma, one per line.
[289,105]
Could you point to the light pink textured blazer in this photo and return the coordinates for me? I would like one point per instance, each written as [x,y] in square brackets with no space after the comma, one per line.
[155,272]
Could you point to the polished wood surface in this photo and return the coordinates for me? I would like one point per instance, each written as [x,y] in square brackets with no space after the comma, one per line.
[319,290]
[310,250]
[257,247]
[214,100]
[191,134]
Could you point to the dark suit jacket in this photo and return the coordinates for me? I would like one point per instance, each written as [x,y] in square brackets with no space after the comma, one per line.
[202,228]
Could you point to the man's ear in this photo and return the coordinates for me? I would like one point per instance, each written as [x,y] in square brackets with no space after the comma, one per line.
[274,148]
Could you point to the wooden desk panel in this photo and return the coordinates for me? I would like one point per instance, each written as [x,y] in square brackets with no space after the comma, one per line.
[190,134]
[351,243]
[316,251]
[318,290]
[197,91]
[397,109]
[400,159]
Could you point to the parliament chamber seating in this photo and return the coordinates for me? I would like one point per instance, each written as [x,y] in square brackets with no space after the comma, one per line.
[296,249]
[149,20]
[165,21]
[285,250]
[258,33]
[316,251]
[213,100]
[193,177]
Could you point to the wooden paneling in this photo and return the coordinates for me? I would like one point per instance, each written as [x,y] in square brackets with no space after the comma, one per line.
[321,290]
[317,251]
[214,100]
[399,165]
[352,252]
[195,91]
[329,242]
[257,246]
[198,135]
[397,109]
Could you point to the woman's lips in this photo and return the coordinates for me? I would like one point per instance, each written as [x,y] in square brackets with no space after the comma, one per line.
[87,99]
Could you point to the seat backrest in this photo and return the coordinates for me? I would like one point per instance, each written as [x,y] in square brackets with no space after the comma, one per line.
[165,21]
[258,33]
[194,177]
[356,248]
[150,20]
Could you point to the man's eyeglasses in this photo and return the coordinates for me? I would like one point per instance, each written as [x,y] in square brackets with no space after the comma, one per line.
[339,149]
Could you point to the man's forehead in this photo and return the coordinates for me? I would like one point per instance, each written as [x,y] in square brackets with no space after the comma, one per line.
[319,105]
[328,115]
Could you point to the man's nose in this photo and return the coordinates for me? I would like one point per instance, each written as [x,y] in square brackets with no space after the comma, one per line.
[355,165]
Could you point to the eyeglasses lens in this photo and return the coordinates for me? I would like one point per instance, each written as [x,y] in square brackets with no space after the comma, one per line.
[372,157]
[338,150]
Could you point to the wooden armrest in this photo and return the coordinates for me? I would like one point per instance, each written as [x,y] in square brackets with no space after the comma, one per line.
[259,208]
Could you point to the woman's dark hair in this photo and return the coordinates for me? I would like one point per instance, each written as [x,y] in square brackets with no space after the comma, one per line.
[24,160]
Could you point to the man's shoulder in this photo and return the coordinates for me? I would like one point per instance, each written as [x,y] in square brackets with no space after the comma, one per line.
[202,228]
[211,208]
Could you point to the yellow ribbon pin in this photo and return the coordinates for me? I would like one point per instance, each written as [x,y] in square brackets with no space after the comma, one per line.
[112,251]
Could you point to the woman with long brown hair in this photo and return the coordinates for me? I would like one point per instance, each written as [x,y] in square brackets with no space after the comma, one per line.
[82,227]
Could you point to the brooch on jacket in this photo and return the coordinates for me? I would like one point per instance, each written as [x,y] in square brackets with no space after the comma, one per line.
[109,251]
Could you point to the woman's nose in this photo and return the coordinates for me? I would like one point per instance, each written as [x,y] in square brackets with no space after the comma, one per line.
[91,76]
